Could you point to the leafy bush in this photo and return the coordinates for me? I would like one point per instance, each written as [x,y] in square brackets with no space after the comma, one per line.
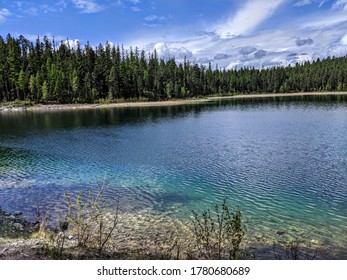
[88,220]
[218,234]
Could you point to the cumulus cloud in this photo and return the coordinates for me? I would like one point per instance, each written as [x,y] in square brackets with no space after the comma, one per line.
[247,50]
[233,65]
[165,52]
[72,44]
[344,40]
[292,55]
[220,56]
[204,60]
[88,6]
[260,53]
[336,50]
[303,41]
[248,18]
[315,35]
[4,14]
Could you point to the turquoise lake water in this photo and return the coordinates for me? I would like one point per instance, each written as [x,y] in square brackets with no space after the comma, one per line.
[283,162]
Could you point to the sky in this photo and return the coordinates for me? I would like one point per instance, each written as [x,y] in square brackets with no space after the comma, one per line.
[227,33]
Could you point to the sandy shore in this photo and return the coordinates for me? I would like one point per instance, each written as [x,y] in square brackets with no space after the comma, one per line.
[265,95]
[58,107]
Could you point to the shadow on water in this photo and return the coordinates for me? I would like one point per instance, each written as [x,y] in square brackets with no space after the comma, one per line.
[22,123]
[282,100]
[194,154]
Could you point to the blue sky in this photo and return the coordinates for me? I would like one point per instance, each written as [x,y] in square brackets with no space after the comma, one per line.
[225,32]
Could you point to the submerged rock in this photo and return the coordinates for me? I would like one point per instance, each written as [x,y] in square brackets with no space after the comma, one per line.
[279,232]
[315,242]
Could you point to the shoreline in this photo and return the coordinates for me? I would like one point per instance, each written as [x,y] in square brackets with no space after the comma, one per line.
[59,107]
[143,236]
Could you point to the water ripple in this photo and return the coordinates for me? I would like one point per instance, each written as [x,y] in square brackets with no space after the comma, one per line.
[268,160]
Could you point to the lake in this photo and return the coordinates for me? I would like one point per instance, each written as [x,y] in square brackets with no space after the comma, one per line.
[282,161]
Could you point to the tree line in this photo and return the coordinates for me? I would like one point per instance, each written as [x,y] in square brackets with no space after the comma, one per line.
[44,71]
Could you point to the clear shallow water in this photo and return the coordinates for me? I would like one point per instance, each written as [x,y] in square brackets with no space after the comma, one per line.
[284,163]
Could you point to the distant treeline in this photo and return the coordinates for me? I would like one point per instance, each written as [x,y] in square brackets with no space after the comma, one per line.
[48,72]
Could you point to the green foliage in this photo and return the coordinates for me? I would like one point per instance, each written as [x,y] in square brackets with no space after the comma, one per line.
[88,220]
[218,234]
[44,90]
[87,75]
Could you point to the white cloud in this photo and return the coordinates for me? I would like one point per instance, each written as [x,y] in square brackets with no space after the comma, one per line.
[316,34]
[253,13]
[321,22]
[247,50]
[303,41]
[4,14]
[321,3]
[220,56]
[88,6]
[260,53]
[154,18]
[32,11]
[275,47]
[340,4]
[344,40]
[165,52]
[303,3]
[61,4]
[72,44]
[232,65]
[123,3]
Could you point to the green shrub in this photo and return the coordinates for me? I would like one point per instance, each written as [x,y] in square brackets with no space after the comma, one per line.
[88,220]
[218,234]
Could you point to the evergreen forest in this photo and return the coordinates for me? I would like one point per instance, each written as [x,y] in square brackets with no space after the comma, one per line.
[44,71]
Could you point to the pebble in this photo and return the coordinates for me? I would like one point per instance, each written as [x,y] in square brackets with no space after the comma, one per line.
[293,229]
[70,237]
[315,242]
